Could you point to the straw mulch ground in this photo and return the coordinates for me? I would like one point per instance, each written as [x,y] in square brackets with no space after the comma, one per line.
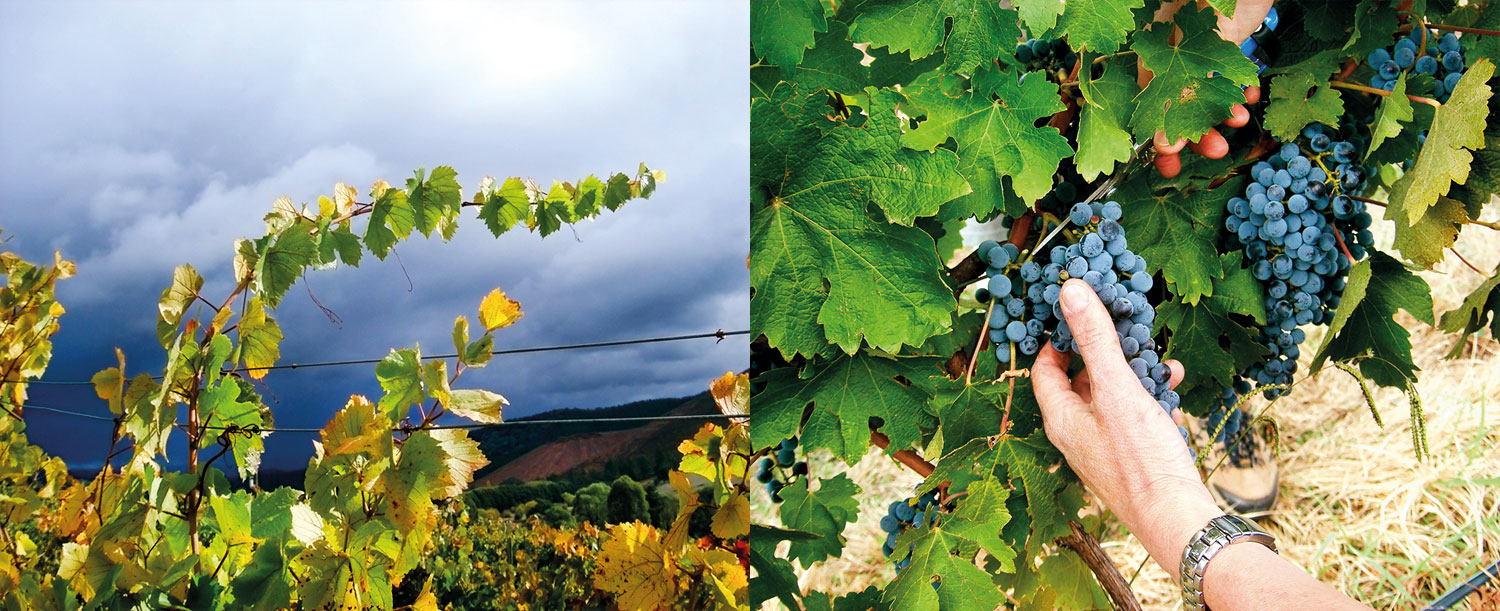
[1356,508]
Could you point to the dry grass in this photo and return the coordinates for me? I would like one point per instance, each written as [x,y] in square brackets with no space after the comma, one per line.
[1356,508]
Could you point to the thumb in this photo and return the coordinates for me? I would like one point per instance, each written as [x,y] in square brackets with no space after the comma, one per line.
[1094,334]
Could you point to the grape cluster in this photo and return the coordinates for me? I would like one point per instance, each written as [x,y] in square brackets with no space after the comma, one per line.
[920,512]
[1293,219]
[1443,60]
[1053,56]
[768,468]
[1026,309]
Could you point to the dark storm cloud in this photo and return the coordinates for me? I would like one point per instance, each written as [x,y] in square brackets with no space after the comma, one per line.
[137,137]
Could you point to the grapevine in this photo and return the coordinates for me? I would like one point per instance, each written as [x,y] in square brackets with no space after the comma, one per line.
[140,534]
[888,141]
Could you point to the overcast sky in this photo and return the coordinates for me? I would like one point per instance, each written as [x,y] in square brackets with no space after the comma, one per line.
[138,136]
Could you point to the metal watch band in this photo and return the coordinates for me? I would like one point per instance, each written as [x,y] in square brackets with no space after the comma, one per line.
[1218,534]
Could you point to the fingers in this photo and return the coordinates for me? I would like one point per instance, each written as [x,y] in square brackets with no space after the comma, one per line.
[1049,376]
[1252,94]
[1239,118]
[1211,145]
[1159,141]
[1094,335]
[1177,373]
[1168,165]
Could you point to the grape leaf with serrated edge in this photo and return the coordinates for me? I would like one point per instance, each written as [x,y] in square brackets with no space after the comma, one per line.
[1024,460]
[1423,243]
[1301,95]
[1103,135]
[1175,232]
[781,30]
[1470,316]
[1365,322]
[940,551]
[824,512]
[846,394]
[1394,110]
[1445,159]
[1038,15]
[994,124]
[884,282]
[1100,26]
[1194,82]
[980,33]
[775,577]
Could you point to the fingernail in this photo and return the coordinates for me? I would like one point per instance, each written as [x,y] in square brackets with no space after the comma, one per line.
[1074,297]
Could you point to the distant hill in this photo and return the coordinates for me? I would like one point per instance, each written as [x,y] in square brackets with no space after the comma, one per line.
[530,452]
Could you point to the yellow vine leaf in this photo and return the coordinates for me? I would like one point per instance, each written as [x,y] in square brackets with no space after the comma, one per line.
[109,384]
[498,311]
[700,455]
[426,601]
[343,198]
[724,573]
[732,393]
[732,520]
[687,503]
[637,568]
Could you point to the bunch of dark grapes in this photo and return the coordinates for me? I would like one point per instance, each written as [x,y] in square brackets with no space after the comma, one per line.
[1026,309]
[920,512]
[776,473]
[1052,56]
[1443,60]
[1295,221]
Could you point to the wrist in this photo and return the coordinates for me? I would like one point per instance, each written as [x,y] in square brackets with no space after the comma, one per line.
[1173,527]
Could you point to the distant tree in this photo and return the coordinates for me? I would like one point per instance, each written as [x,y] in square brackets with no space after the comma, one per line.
[558,516]
[663,508]
[589,503]
[627,501]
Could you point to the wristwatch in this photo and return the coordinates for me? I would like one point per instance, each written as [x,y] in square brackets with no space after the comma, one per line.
[1218,534]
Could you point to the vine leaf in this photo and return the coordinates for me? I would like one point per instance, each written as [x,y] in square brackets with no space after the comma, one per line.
[1481,305]
[477,405]
[846,394]
[1204,335]
[826,269]
[1103,130]
[1394,110]
[636,567]
[968,411]
[400,375]
[1069,578]
[1423,243]
[1175,232]
[282,257]
[1195,81]
[1023,463]
[1039,15]
[175,299]
[823,513]
[1365,323]
[1457,127]
[994,125]
[504,207]
[971,33]
[781,30]
[944,551]
[1301,94]
[260,339]
[497,311]
[775,577]
[1100,26]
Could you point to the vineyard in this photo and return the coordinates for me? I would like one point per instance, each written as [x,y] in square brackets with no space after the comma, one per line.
[381,524]
[1255,194]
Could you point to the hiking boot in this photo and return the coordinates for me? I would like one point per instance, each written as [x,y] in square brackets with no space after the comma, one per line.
[1247,481]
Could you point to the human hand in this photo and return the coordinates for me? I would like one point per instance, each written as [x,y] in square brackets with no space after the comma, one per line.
[1118,440]
[1248,15]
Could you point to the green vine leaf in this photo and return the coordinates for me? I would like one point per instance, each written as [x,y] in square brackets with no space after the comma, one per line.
[971,33]
[944,552]
[1175,231]
[819,249]
[1301,95]
[1479,307]
[1103,129]
[824,512]
[846,394]
[1195,81]
[994,125]
[1457,128]
[1365,323]
[781,30]
[1101,26]
[1395,110]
